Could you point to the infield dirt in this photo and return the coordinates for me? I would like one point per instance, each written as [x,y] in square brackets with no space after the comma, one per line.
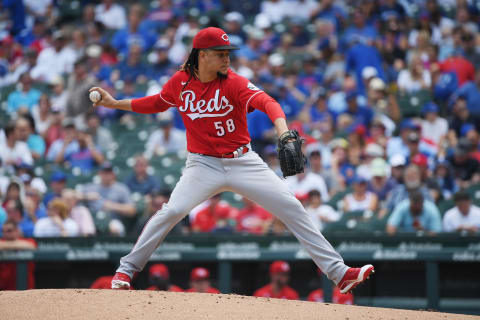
[129,305]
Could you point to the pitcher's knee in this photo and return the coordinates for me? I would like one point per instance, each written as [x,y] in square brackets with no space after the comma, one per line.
[172,212]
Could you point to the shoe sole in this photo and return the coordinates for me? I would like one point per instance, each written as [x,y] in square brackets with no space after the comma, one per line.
[363,275]
[120,285]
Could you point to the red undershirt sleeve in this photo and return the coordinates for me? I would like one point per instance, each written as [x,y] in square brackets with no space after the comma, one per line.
[150,104]
[267,104]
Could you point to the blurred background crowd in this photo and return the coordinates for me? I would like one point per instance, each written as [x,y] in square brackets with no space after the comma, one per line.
[385,92]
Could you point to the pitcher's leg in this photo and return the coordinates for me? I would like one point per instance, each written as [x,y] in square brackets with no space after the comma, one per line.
[258,183]
[198,183]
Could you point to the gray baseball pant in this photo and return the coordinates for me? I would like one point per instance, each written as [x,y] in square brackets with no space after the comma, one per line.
[249,176]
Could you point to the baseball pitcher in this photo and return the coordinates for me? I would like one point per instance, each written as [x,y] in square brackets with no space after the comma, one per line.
[213,102]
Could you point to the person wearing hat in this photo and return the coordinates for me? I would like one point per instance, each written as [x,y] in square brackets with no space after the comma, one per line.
[278,287]
[212,215]
[165,139]
[399,144]
[360,199]
[434,128]
[55,60]
[159,278]
[337,297]
[397,164]
[109,196]
[213,102]
[233,26]
[58,182]
[465,168]
[200,281]
[361,114]
[380,184]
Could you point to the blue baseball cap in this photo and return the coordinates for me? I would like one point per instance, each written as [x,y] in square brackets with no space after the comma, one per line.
[350,95]
[429,107]
[466,127]
[408,124]
[359,179]
[58,176]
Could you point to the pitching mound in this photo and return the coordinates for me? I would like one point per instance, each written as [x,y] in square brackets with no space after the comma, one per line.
[120,305]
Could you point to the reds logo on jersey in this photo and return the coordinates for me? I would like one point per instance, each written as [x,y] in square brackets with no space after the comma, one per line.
[201,108]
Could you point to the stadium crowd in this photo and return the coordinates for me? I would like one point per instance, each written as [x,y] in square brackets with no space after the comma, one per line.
[385,92]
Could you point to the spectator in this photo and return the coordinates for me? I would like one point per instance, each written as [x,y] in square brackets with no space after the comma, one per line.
[79,213]
[278,287]
[465,168]
[360,114]
[140,181]
[33,206]
[25,98]
[233,26]
[275,10]
[415,214]
[302,183]
[412,181]
[131,68]
[159,278]
[341,167]
[397,165]
[380,184]
[464,217]
[42,115]
[57,223]
[358,57]
[166,139]
[460,116]
[25,128]
[110,197]
[78,84]
[360,199]
[58,182]
[444,178]
[12,240]
[59,95]
[133,34]
[15,212]
[315,161]
[213,214]
[200,281]
[13,151]
[102,137]
[54,61]
[252,218]
[76,149]
[55,130]
[337,296]
[321,213]
[415,78]
[111,14]
[434,128]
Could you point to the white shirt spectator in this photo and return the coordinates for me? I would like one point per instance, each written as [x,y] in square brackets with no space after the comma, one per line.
[52,64]
[303,9]
[434,130]
[276,10]
[454,219]
[41,126]
[45,227]
[82,217]
[321,215]
[408,84]
[311,181]
[18,154]
[156,144]
[356,205]
[113,17]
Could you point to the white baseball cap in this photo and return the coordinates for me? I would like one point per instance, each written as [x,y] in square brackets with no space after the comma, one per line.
[397,160]
[376,84]
[369,72]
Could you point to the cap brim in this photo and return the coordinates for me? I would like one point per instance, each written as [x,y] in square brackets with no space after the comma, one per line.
[230,47]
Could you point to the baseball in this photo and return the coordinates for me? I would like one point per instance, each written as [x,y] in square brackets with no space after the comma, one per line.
[95,96]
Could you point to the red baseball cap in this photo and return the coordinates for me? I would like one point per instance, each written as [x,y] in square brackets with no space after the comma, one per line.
[159,270]
[420,160]
[199,274]
[279,266]
[212,38]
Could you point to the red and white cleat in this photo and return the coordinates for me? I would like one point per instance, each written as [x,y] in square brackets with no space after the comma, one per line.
[121,281]
[354,276]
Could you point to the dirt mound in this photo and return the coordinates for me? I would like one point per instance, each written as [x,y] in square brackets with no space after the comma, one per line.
[119,305]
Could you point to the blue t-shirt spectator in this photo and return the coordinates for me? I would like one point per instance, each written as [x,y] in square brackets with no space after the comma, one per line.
[360,56]
[18,99]
[17,14]
[258,123]
[144,187]
[471,93]
[36,144]
[123,39]
[402,219]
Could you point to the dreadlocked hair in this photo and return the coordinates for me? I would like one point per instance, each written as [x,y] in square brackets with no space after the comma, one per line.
[190,66]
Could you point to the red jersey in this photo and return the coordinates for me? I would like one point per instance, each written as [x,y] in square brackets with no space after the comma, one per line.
[285,293]
[209,290]
[462,67]
[104,282]
[172,288]
[252,219]
[214,113]
[337,296]
[8,274]
[206,219]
